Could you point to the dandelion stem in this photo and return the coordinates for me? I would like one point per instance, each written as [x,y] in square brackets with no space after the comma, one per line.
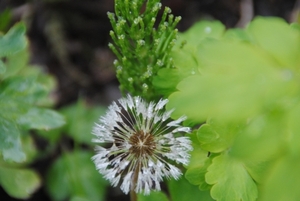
[133,195]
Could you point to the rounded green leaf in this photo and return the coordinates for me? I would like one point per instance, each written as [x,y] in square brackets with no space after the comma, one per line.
[217,136]
[230,180]
[19,183]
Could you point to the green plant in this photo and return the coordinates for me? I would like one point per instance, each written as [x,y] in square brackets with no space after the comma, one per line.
[24,94]
[141,47]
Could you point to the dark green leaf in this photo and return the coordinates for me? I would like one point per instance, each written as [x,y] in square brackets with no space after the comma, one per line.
[74,175]
[80,121]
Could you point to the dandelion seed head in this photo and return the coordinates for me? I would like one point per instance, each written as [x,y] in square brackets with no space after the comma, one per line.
[135,141]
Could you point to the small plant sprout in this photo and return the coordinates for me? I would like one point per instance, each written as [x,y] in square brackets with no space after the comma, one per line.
[136,141]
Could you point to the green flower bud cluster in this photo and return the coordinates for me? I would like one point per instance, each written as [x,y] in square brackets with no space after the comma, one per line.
[141,44]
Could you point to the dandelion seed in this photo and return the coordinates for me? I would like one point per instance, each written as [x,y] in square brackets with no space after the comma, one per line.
[139,140]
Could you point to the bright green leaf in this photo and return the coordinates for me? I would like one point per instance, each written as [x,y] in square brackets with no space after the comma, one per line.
[284,46]
[10,144]
[154,196]
[263,137]
[199,31]
[73,175]
[182,190]
[19,183]
[41,118]
[283,181]
[217,136]
[13,41]
[196,175]
[230,180]
[239,84]
[238,35]
[184,55]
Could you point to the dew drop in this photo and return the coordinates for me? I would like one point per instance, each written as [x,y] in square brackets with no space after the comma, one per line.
[207,30]
[145,87]
[160,63]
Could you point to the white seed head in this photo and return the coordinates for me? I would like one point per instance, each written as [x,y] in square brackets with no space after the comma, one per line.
[138,139]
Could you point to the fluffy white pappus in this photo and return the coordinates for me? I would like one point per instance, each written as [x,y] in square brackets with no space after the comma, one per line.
[135,142]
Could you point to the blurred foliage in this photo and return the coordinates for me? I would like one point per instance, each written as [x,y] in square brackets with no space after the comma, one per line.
[24,92]
[244,84]
[74,176]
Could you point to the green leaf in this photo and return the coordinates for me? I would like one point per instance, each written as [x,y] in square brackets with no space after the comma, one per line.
[200,31]
[5,19]
[15,62]
[41,118]
[19,183]
[263,138]
[74,174]
[230,180]
[284,46]
[154,196]
[10,144]
[2,67]
[197,167]
[237,85]
[184,56]
[13,41]
[283,181]
[76,198]
[196,175]
[216,136]
[238,35]
[80,120]
[183,190]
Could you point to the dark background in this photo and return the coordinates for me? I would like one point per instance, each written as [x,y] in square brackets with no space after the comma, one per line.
[68,39]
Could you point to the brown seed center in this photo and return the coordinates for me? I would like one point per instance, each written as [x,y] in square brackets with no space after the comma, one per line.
[142,144]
